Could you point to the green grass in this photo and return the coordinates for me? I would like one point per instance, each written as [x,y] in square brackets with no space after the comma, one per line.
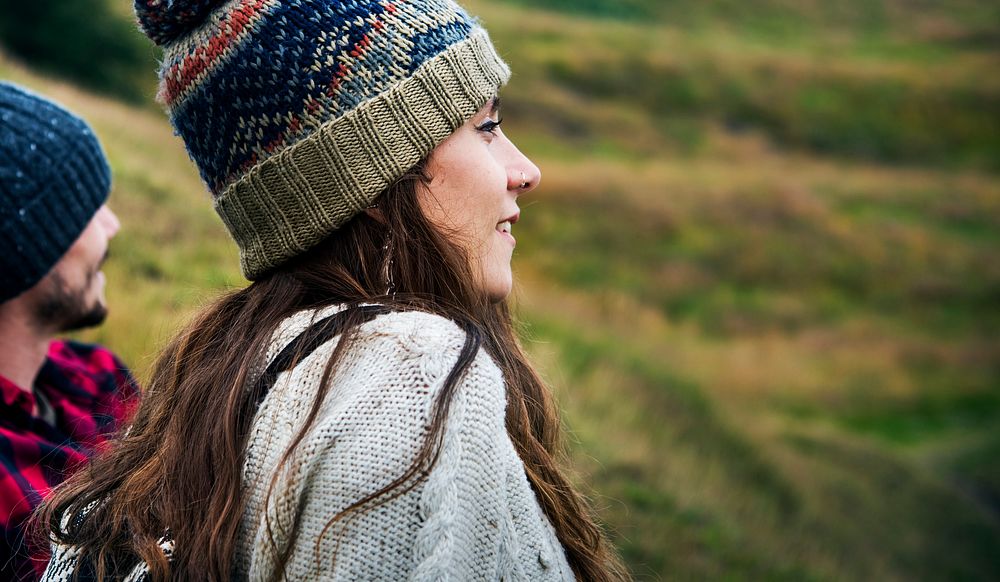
[840,89]
[760,273]
[91,42]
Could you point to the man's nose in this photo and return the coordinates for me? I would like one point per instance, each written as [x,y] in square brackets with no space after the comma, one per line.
[109,221]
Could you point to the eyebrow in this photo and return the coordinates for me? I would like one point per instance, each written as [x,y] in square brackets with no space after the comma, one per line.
[495,105]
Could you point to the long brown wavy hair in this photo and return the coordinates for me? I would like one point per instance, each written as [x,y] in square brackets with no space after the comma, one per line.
[178,467]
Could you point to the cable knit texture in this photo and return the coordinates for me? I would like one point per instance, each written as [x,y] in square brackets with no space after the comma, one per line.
[475,516]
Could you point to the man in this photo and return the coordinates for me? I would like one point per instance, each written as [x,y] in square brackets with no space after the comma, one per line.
[59,400]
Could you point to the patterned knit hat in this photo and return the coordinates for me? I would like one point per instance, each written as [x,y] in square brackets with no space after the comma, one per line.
[299,113]
[53,179]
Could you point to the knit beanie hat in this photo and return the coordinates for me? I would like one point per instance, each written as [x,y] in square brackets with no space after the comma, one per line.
[53,179]
[299,113]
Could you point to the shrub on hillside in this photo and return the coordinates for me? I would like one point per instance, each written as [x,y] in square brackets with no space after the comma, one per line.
[86,42]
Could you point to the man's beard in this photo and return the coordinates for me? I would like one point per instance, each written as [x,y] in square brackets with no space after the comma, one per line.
[67,309]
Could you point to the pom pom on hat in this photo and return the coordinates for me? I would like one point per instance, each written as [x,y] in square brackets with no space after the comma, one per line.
[164,21]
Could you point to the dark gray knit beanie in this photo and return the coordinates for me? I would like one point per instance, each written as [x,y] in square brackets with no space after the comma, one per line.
[53,179]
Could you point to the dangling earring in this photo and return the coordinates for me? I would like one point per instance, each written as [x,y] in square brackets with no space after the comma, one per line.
[390,287]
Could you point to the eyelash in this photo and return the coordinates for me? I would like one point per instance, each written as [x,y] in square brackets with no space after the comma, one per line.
[490,126]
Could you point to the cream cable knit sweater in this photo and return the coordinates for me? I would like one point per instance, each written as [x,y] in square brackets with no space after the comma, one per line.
[475,517]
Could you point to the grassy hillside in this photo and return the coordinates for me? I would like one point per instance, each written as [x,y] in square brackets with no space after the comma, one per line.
[760,273]
[95,43]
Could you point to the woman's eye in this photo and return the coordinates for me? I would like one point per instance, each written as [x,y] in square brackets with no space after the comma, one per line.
[490,126]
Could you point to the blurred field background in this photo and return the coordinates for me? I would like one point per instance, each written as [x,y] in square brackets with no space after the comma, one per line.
[761,273]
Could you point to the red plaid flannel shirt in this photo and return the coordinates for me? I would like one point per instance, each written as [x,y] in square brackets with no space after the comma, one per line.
[89,393]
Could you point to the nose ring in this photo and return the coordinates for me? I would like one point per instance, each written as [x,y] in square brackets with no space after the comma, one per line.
[524,181]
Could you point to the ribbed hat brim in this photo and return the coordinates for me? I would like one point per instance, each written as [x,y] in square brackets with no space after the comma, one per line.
[288,203]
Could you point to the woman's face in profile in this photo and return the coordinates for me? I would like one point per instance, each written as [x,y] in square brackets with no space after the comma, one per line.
[476,176]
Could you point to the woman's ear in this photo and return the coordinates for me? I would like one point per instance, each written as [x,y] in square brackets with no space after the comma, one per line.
[376,213]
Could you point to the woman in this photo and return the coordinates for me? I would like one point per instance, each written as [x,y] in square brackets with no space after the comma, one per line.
[362,410]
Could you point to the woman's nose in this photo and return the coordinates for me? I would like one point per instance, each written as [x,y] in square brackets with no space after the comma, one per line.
[523,175]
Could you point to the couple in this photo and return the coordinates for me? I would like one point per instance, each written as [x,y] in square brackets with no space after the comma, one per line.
[362,410]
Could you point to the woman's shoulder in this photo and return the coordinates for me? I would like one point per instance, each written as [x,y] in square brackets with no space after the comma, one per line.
[420,345]
[415,332]
[407,326]
[413,324]
[411,332]
[382,393]
[432,344]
